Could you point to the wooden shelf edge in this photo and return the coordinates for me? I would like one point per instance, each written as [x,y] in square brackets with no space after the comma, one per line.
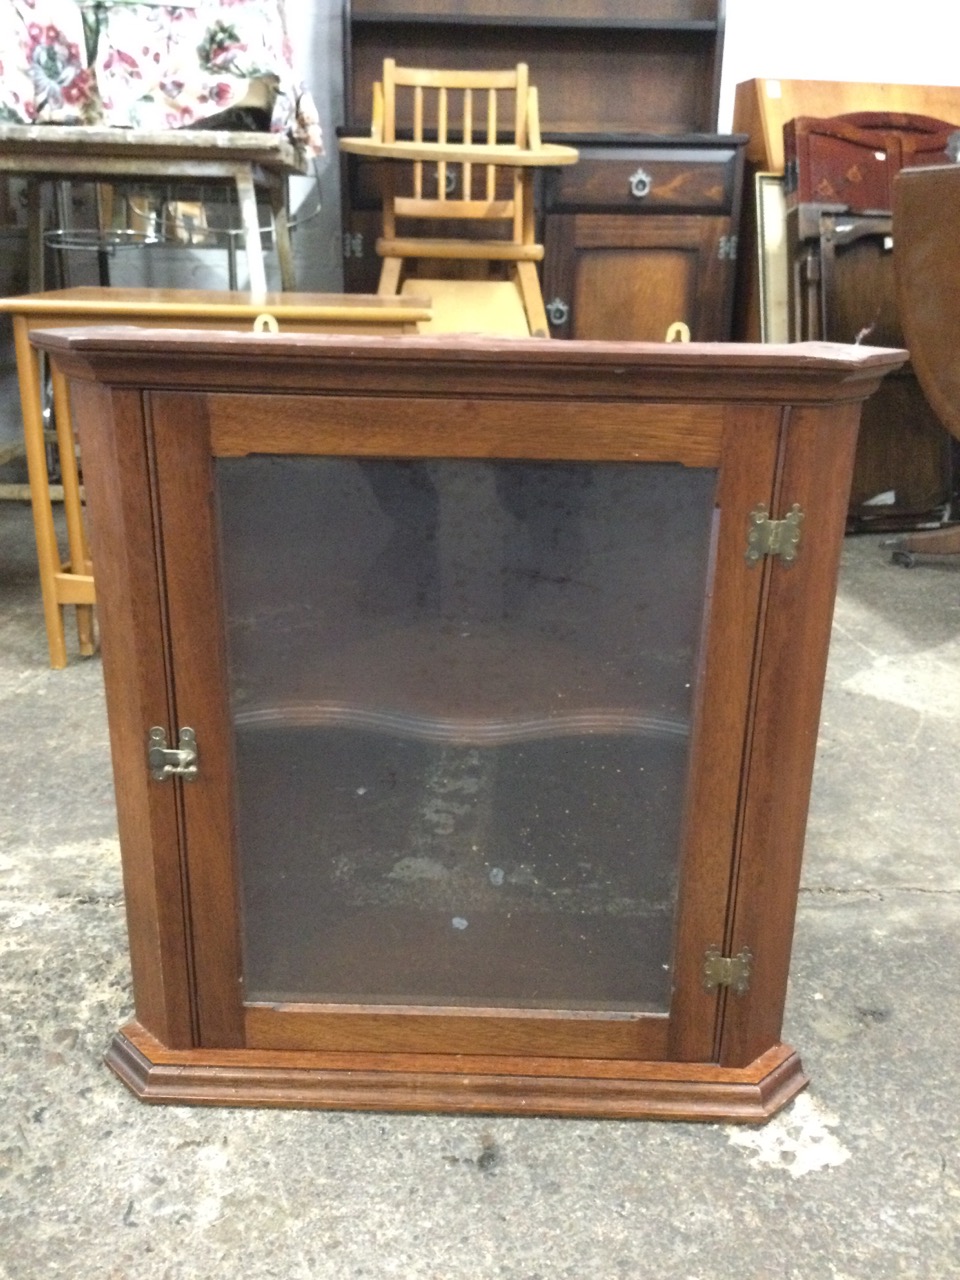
[197,1078]
[600,26]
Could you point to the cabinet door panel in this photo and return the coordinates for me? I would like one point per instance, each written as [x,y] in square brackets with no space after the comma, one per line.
[450,744]
[630,278]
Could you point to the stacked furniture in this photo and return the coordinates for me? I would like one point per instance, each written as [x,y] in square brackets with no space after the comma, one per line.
[761,109]
[926,224]
[641,232]
[833,252]
[839,178]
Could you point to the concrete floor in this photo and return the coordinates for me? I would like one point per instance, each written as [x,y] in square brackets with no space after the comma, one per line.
[858,1180]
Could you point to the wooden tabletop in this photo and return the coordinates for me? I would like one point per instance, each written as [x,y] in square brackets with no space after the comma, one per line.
[926,231]
[107,304]
[42,148]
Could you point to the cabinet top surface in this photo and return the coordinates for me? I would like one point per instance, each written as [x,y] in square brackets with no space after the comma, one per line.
[502,367]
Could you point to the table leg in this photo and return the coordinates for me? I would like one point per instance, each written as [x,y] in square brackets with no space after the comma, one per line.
[35,271]
[281,232]
[80,562]
[247,198]
[48,553]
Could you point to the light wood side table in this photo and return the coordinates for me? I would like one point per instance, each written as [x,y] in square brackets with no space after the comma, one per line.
[70,582]
[242,162]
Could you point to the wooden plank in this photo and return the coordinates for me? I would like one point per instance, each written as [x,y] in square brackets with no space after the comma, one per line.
[516,1033]
[416,427]
[532,12]
[196,630]
[75,588]
[36,146]
[441,1063]
[725,689]
[656,1091]
[778,768]
[180,305]
[113,439]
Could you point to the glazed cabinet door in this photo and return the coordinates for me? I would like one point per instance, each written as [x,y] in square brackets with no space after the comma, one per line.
[621,277]
[460,673]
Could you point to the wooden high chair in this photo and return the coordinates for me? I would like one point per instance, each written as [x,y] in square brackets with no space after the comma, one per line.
[465,167]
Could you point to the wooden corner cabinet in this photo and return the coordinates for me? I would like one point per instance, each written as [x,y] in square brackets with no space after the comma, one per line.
[638,235]
[463,701]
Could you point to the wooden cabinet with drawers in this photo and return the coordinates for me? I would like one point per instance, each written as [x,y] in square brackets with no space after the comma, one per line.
[640,233]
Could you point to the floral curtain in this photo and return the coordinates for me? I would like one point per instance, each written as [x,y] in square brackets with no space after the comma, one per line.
[146,65]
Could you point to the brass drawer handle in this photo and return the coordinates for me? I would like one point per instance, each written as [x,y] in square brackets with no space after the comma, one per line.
[640,184]
[558,312]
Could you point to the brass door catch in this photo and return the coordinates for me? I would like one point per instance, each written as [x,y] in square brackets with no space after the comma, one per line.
[172,762]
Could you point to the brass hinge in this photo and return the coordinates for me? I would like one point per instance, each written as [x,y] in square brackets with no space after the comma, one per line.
[727,248]
[727,971]
[169,762]
[767,537]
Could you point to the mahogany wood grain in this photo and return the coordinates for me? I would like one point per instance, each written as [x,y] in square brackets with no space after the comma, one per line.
[181,439]
[547,1034]
[781,422]
[815,372]
[682,179]
[791,663]
[722,722]
[123,536]
[633,277]
[357,426]
[608,68]
[445,1064]
[926,263]
[530,12]
[661,1091]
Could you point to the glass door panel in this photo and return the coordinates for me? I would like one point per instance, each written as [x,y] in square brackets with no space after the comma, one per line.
[461,694]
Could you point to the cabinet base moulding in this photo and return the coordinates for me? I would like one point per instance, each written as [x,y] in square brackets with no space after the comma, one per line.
[654,1090]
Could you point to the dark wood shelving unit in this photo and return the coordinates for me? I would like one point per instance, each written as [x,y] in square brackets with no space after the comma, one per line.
[636,87]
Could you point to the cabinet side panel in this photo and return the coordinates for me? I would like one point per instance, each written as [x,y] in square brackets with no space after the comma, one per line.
[816,466]
[117,482]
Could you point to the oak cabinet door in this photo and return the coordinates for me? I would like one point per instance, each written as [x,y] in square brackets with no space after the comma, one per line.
[458,728]
[621,277]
